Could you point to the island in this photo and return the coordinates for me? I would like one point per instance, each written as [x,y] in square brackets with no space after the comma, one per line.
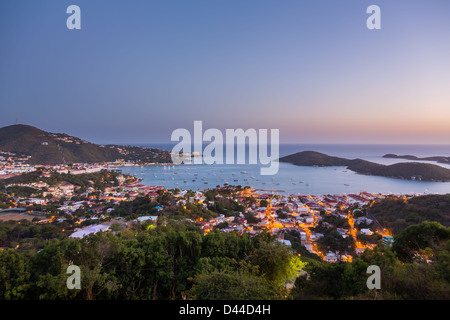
[440,159]
[404,170]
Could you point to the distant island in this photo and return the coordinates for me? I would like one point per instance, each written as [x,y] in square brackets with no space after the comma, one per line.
[439,159]
[405,170]
[37,147]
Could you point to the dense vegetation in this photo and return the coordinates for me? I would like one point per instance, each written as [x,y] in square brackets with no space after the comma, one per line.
[27,235]
[173,259]
[167,262]
[404,170]
[397,214]
[417,267]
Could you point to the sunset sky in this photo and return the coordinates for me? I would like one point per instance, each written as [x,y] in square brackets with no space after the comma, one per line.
[137,70]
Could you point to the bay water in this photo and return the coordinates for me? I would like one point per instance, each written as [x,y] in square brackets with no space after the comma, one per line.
[299,180]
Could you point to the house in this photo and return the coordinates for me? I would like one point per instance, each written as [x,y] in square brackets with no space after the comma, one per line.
[367,232]
[147,218]
[309,247]
[286,242]
[331,257]
[67,188]
[303,235]
[153,196]
[207,229]
[342,215]
[388,240]
[88,230]
[99,209]
[309,220]
[77,171]
[363,220]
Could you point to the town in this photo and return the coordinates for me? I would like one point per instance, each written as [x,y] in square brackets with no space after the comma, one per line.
[86,198]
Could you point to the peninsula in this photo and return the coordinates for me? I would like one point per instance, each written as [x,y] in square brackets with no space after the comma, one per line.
[33,146]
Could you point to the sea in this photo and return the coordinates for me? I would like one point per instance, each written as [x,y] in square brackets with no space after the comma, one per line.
[299,180]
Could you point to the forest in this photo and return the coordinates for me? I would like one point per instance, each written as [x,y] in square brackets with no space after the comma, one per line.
[175,260]
[172,261]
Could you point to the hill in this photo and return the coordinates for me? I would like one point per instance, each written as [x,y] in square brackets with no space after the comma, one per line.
[55,148]
[404,170]
[313,158]
[397,214]
[439,159]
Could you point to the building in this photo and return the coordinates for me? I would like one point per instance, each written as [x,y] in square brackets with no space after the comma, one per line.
[147,218]
[88,230]
[286,242]
[388,240]
[331,257]
[367,232]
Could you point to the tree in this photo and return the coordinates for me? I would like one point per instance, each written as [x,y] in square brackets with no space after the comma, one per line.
[332,280]
[14,275]
[242,284]
[412,242]
[276,262]
[225,244]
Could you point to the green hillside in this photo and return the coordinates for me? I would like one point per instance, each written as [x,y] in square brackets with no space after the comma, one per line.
[396,214]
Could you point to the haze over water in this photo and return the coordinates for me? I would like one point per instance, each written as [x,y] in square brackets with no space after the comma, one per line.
[300,179]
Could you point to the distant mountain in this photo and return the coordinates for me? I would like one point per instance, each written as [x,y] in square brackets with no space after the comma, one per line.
[56,148]
[439,159]
[404,170]
[313,158]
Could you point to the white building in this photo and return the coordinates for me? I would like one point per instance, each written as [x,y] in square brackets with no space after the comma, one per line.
[367,232]
[88,230]
[331,257]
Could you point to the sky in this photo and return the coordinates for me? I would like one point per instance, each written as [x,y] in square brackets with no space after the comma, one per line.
[137,70]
